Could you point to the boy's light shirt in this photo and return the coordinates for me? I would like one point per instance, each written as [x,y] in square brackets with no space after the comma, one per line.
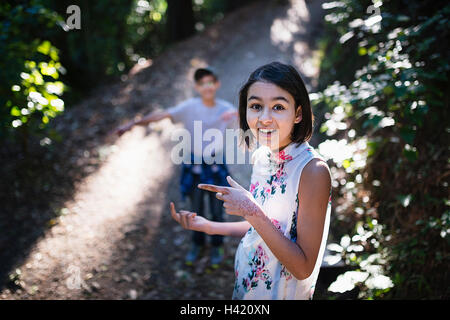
[199,119]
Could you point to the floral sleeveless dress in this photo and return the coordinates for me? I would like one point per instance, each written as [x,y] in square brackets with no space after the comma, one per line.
[274,184]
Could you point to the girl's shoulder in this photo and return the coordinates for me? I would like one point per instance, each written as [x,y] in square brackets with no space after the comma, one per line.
[311,154]
[316,174]
[316,166]
[311,165]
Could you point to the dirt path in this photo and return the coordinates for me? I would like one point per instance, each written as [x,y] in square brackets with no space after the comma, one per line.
[115,238]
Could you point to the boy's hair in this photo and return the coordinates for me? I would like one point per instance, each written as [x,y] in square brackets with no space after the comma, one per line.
[203,72]
[286,77]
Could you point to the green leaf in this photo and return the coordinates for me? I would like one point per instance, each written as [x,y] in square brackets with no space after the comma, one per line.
[410,154]
[388,90]
[44,47]
[372,147]
[15,111]
[362,51]
[372,122]
[408,135]
[405,200]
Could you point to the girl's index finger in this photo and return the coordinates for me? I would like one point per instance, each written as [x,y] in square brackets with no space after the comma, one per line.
[173,212]
[213,188]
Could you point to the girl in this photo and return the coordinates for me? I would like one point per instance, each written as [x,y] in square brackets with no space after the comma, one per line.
[287,208]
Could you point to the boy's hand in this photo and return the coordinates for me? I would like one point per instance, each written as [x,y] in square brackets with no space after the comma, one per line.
[237,200]
[189,220]
[122,129]
[228,115]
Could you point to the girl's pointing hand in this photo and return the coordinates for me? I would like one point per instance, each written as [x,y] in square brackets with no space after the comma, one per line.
[237,200]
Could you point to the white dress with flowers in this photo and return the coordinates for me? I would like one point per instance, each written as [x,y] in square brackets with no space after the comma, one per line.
[274,184]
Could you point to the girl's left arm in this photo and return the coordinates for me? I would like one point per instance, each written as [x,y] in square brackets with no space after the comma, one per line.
[313,195]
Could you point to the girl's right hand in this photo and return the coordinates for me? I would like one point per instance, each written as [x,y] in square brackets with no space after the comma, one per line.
[189,220]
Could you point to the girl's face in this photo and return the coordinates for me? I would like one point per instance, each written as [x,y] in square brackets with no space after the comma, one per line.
[271,114]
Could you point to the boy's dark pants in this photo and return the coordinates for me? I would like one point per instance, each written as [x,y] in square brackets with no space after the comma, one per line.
[216,206]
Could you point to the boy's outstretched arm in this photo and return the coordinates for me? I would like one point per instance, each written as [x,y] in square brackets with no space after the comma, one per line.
[151,117]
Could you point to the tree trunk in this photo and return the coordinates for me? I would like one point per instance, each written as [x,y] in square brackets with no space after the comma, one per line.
[180,19]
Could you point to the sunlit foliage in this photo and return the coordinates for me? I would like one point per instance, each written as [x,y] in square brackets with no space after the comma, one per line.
[30,86]
[388,138]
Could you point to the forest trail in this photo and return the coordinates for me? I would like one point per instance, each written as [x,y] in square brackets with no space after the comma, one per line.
[115,238]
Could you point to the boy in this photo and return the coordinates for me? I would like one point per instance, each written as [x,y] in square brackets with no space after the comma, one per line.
[213,113]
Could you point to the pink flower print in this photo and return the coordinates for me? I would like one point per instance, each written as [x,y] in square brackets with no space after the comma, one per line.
[310,151]
[258,272]
[253,189]
[278,174]
[276,223]
[260,252]
[279,157]
[277,180]
[283,156]
[246,284]
[285,273]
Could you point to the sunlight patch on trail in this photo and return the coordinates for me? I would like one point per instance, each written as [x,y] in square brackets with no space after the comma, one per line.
[283,30]
[287,32]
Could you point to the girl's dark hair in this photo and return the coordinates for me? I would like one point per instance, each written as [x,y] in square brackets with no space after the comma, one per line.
[286,77]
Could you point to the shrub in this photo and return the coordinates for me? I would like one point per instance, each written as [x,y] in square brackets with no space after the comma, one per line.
[388,130]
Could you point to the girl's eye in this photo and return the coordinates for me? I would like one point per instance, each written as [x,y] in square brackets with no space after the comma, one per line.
[278,107]
[256,106]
